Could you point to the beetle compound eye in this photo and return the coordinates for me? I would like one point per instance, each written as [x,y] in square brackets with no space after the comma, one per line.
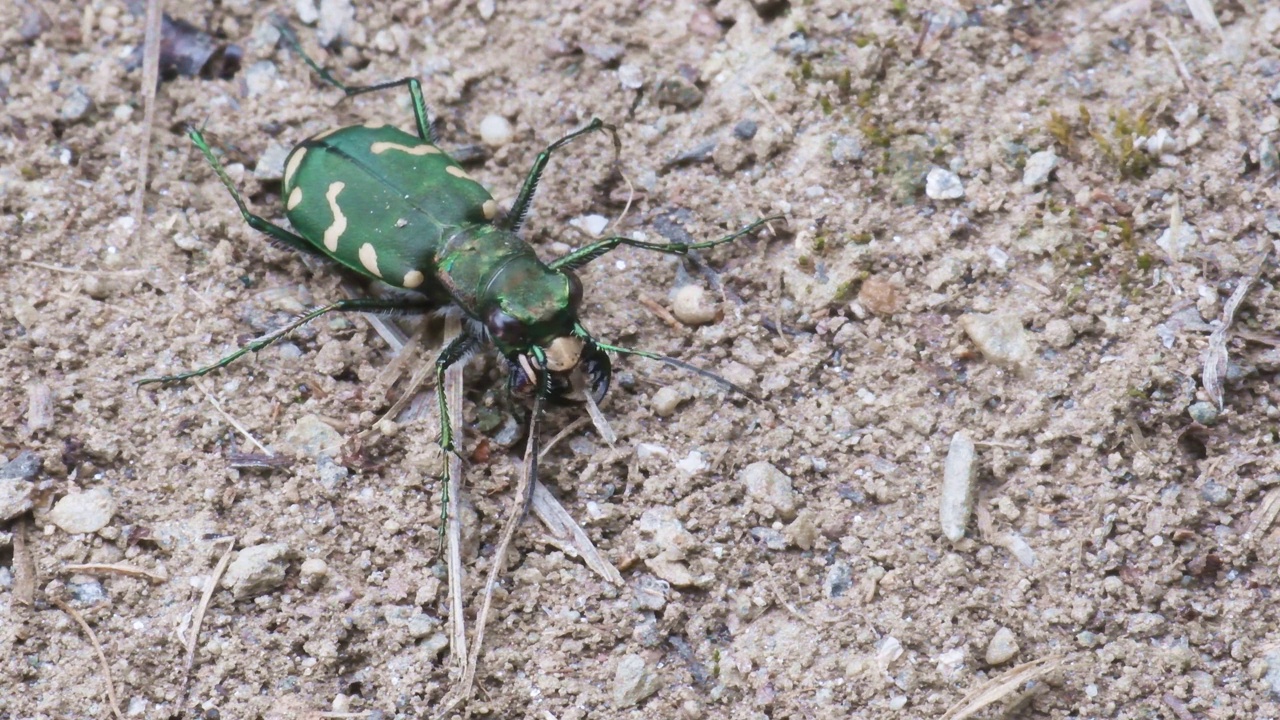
[508,330]
[575,292]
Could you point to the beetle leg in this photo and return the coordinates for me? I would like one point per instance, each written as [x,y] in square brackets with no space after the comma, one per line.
[399,306]
[257,222]
[520,209]
[420,115]
[584,255]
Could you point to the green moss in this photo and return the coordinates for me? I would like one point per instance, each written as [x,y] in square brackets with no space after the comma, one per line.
[825,103]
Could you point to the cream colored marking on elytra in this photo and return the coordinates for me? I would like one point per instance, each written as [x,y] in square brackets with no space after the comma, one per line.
[294,161]
[369,259]
[458,172]
[380,147]
[325,134]
[375,125]
[295,197]
[339,226]
[413,279]
[490,209]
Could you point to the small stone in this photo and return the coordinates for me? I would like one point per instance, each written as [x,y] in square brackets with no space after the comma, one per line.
[33,23]
[649,593]
[1272,670]
[956,501]
[1058,333]
[607,53]
[39,406]
[271,164]
[496,131]
[770,538]
[803,531]
[256,570]
[593,225]
[88,592]
[84,512]
[1002,648]
[1268,158]
[487,9]
[1204,413]
[313,573]
[313,437]
[337,17]
[768,484]
[693,307]
[634,681]
[674,572]
[880,296]
[746,130]
[260,79]
[941,184]
[1216,494]
[307,12]
[665,401]
[838,580]
[77,105]
[630,77]
[1177,241]
[334,358]
[1038,168]
[24,467]
[845,149]
[677,91]
[16,488]
[999,336]
[1145,625]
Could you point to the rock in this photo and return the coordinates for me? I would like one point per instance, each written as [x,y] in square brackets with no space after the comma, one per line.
[84,512]
[1178,240]
[1002,648]
[956,497]
[313,573]
[496,131]
[999,336]
[336,17]
[649,593]
[15,497]
[880,296]
[672,571]
[746,130]
[307,12]
[677,91]
[845,149]
[630,77]
[1216,494]
[313,437]
[77,105]
[941,184]
[665,401]
[24,467]
[838,580]
[768,484]
[1058,333]
[256,570]
[692,307]
[1038,168]
[260,79]
[1145,625]
[1204,413]
[592,225]
[271,163]
[634,681]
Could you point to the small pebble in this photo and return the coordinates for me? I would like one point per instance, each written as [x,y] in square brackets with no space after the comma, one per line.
[649,593]
[845,149]
[89,592]
[1000,337]
[880,296]
[1038,168]
[593,225]
[1058,333]
[677,91]
[84,512]
[39,407]
[256,570]
[271,164]
[313,573]
[838,580]
[24,467]
[665,401]
[496,131]
[941,184]
[1204,413]
[746,130]
[693,307]
[1178,241]
[630,77]
[633,681]
[260,79]
[77,105]
[1216,494]
[307,12]
[16,488]
[768,484]
[336,19]
[1002,648]
[313,437]
[956,502]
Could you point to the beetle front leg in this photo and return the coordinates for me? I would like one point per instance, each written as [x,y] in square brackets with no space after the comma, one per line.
[520,209]
[584,255]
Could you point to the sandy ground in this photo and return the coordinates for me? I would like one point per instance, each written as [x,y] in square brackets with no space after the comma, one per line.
[1118,169]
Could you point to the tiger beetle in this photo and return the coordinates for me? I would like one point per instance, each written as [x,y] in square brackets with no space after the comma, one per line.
[393,207]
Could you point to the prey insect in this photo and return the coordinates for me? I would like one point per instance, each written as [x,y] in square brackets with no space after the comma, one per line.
[392,206]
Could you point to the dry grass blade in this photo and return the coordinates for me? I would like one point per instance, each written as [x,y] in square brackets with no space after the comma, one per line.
[24,566]
[210,585]
[1001,686]
[1206,18]
[1263,517]
[570,536]
[97,648]
[150,80]
[1215,358]
[461,692]
[453,527]
[599,421]
[232,421]
[106,568]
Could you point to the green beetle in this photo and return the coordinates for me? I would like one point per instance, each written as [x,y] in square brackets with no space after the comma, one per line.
[392,206]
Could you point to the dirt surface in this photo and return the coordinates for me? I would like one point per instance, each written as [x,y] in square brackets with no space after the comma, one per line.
[1118,170]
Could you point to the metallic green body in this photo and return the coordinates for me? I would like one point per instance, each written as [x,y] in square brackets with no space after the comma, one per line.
[394,207]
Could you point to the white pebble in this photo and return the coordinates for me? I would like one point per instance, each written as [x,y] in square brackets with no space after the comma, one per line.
[942,184]
[630,77]
[496,131]
[665,401]
[1002,648]
[957,487]
[1038,167]
[691,306]
[593,225]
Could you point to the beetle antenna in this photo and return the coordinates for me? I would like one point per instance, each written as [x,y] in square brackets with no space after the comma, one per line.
[677,364]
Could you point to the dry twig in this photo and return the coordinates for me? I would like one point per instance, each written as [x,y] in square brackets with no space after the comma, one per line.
[210,585]
[106,568]
[97,648]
